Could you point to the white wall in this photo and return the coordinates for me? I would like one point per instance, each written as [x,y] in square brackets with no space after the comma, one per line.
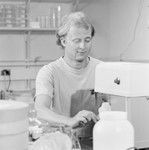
[98,12]
[121,29]
[129,33]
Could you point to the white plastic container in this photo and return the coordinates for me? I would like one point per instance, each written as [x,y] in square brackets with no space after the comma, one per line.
[113,132]
[13,125]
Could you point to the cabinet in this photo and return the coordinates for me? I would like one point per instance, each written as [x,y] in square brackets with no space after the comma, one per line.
[138,111]
[29,43]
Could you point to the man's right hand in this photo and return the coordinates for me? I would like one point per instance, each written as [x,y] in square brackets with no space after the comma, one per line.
[81,118]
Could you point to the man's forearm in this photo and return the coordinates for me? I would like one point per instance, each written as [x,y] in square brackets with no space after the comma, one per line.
[50,116]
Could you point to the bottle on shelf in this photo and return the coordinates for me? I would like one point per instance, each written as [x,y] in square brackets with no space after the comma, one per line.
[12,15]
[58,15]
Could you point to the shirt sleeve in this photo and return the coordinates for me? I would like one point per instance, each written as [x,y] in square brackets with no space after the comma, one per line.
[44,81]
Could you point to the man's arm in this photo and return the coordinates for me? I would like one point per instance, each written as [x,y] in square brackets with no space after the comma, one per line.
[42,105]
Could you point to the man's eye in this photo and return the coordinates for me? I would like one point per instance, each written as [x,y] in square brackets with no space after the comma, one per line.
[87,40]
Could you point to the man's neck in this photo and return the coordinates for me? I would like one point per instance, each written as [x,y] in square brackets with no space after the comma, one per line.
[76,64]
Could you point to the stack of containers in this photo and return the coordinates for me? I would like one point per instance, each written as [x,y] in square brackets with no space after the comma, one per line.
[13,125]
[2,15]
[51,20]
[19,15]
[12,15]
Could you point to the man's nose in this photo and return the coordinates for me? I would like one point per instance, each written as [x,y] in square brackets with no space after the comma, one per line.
[82,44]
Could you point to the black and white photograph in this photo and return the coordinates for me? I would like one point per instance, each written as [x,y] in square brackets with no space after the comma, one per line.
[74,74]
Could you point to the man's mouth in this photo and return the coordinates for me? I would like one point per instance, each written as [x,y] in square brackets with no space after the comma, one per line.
[81,52]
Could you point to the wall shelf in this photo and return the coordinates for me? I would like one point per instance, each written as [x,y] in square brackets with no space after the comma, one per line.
[27,29]
[21,63]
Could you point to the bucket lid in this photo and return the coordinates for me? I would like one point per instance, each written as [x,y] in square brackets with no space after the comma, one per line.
[10,104]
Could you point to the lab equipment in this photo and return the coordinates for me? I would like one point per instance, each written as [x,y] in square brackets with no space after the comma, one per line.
[127,84]
[122,78]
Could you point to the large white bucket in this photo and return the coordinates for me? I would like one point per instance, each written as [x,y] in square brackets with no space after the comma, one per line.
[13,125]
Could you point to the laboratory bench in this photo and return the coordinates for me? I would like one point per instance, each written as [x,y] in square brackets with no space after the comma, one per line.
[86,146]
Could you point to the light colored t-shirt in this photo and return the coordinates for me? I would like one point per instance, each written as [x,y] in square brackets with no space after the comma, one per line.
[63,83]
[71,90]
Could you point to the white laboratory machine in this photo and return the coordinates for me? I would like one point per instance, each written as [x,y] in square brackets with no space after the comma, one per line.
[127,83]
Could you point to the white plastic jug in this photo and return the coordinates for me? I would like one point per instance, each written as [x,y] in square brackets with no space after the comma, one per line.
[113,132]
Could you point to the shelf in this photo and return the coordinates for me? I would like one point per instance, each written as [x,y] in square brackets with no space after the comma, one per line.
[28,29]
[23,63]
[52,1]
[40,1]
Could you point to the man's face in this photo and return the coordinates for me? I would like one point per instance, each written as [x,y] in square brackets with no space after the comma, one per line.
[78,42]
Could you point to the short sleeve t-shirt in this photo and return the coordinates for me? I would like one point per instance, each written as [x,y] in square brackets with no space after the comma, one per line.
[70,89]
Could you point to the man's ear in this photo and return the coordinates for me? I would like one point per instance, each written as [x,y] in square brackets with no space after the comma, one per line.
[63,42]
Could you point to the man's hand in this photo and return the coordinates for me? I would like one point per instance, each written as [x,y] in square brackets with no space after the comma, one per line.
[81,118]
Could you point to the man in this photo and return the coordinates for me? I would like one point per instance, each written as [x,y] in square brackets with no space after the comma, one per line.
[64,88]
